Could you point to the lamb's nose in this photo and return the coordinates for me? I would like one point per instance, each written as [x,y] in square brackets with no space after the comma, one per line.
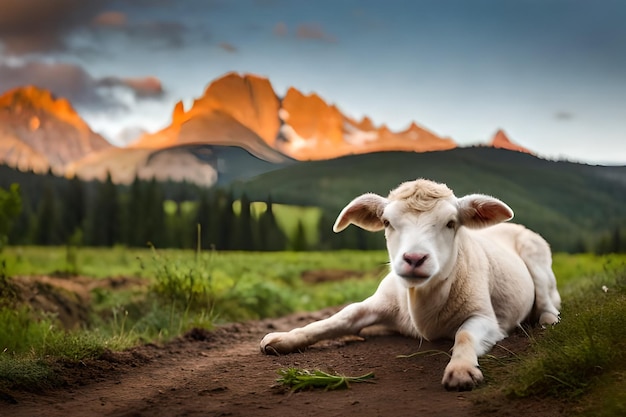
[415,259]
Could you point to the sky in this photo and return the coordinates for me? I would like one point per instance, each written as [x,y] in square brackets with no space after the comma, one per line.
[551,73]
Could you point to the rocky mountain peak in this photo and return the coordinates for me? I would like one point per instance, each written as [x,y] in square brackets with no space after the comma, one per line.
[247,98]
[36,102]
[501,140]
[35,127]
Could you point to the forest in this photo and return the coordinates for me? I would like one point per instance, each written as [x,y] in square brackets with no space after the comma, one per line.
[57,211]
[577,208]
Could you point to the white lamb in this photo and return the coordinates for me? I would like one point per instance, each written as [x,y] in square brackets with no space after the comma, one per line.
[455,273]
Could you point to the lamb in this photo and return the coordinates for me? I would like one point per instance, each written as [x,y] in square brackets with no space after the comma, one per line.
[456,272]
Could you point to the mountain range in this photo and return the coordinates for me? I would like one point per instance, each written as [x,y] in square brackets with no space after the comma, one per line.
[237,129]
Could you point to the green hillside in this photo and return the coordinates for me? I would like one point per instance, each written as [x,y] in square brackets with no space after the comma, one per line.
[571,204]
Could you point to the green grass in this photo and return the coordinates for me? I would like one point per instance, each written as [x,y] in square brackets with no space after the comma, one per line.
[91,262]
[122,261]
[581,357]
[581,360]
[184,289]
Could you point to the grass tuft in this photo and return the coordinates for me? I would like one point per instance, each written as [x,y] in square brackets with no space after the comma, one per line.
[571,356]
[302,379]
[582,359]
[26,373]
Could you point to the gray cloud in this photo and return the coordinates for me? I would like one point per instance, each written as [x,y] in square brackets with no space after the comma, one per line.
[111,19]
[77,85]
[309,31]
[44,26]
[64,80]
[563,115]
[313,31]
[156,32]
[228,47]
[146,87]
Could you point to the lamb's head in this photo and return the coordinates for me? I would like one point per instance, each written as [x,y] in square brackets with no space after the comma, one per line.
[422,221]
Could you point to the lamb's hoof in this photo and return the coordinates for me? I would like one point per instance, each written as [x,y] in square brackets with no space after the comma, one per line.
[548,319]
[461,376]
[275,344]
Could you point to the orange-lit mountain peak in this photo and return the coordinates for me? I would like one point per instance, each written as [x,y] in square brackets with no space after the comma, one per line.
[247,98]
[384,129]
[413,127]
[301,126]
[28,97]
[232,82]
[39,101]
[366,124]
[500,140]
[40,127]
[178,113]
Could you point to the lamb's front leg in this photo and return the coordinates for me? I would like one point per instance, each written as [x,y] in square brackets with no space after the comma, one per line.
[348,321]
[475,337]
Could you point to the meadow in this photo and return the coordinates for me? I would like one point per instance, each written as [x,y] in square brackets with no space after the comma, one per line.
[180,289]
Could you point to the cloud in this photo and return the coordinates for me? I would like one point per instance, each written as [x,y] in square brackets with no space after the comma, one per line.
[228,47]
[164,32]
[110,18]
[41,25]
[64,80]
[47,26]
[168,33]
[313,31]
[146,87]
[309,31]
[563,115]
[77,85]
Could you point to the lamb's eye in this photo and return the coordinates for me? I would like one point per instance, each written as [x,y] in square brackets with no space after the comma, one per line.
[385,222]
[451,224]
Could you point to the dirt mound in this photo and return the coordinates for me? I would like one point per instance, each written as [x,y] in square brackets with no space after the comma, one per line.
[67,298]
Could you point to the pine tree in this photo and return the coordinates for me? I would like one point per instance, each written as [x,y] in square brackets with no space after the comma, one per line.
[244,235]
[328,240]
[10,207]
[48,219]
[74,210]
[154,214]
[271,236]
[299,242]
[104,227]
[23,227]
[227,221]
[135,234]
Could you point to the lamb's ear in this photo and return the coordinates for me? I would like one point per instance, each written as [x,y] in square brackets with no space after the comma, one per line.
[364,211]
[478,210]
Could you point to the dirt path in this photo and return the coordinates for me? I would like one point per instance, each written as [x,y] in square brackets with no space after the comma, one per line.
[222,373]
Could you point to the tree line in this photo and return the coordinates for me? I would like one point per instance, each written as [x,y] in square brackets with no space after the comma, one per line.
[59,211]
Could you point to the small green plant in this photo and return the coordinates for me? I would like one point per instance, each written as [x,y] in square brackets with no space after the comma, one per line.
[300,379]
[71,252]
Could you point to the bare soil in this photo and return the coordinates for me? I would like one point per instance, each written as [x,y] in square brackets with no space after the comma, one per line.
[223,373]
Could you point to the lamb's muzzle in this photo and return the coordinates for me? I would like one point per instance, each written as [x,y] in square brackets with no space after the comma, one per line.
[412,263]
